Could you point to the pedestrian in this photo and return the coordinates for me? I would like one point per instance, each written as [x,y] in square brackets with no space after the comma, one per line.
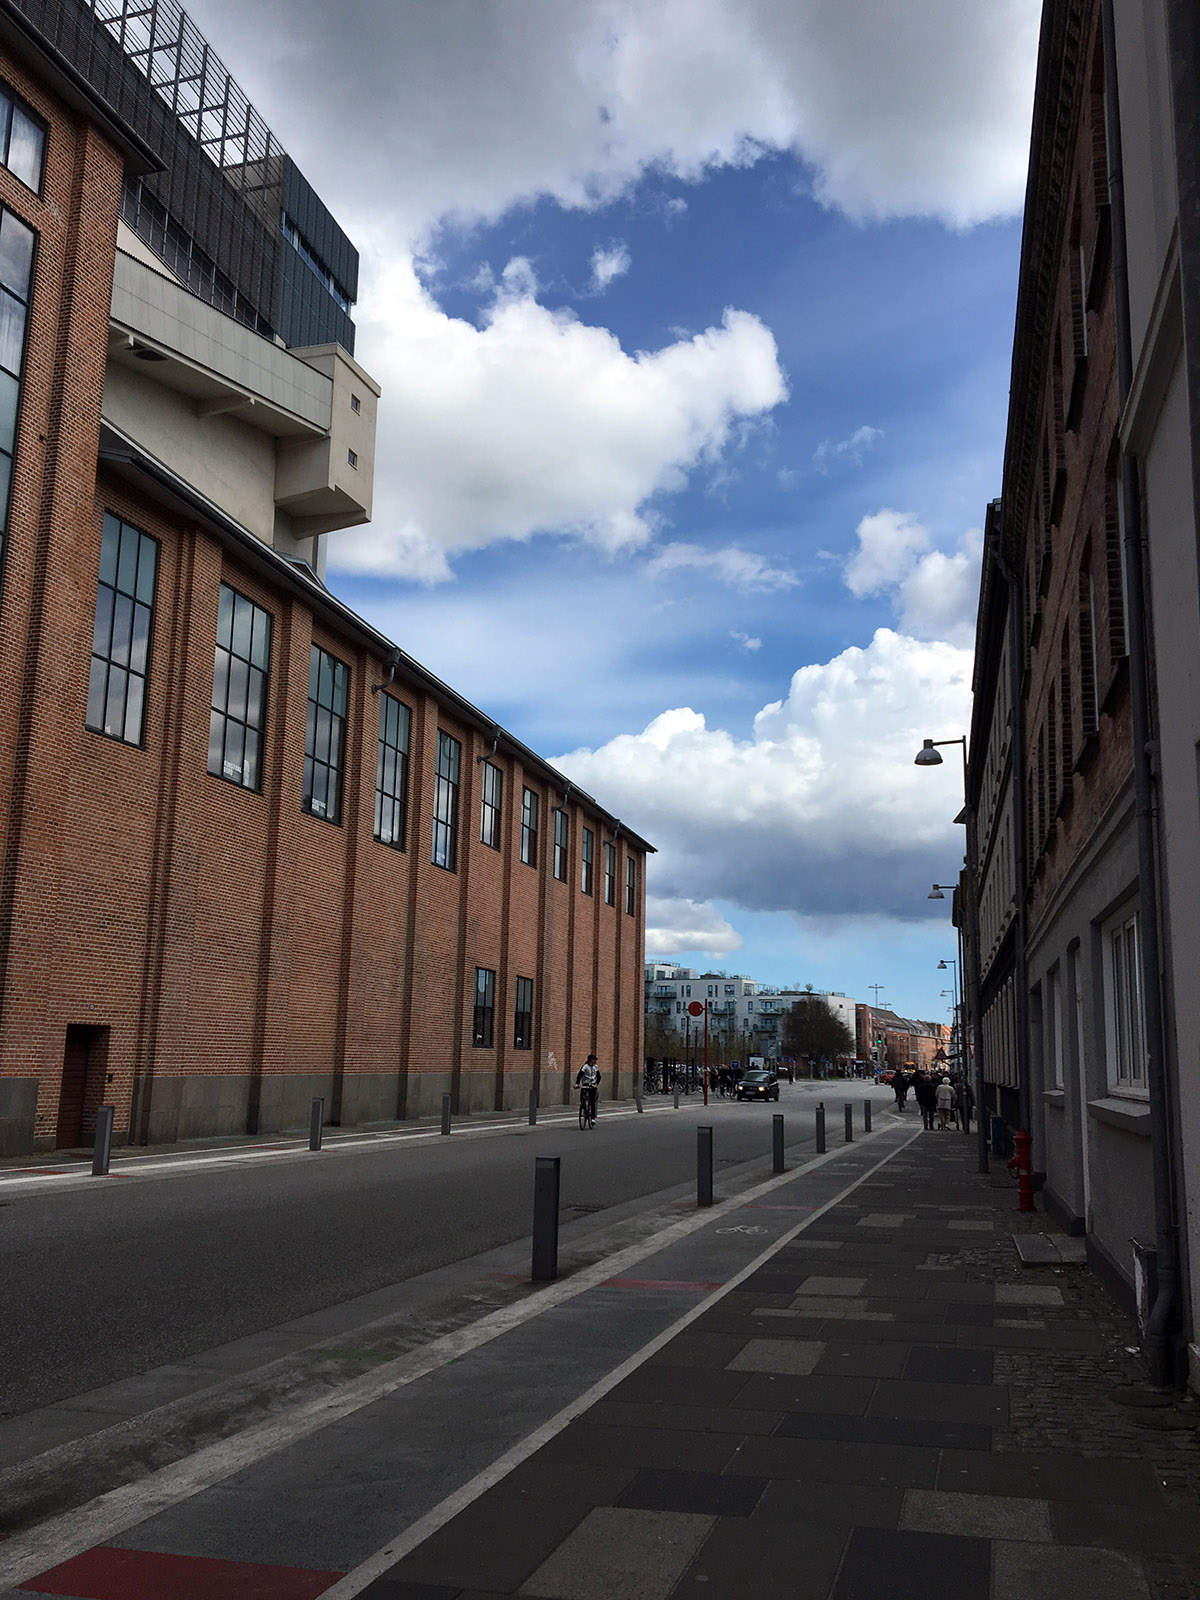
[899,1088]
[925,1091]
[944,1094]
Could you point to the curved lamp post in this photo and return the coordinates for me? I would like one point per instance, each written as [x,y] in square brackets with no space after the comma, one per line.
[929,756]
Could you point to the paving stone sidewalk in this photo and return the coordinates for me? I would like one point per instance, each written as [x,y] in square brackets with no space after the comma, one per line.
[892,1408]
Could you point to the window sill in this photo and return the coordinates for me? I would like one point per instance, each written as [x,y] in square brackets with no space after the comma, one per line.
[1131,1115]
[1055,1097]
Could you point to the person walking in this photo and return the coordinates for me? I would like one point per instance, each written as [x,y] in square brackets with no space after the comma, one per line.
[944,1094]
[925,1091]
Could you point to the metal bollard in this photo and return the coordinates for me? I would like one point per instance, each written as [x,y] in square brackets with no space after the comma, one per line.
[866,1116]
[704,1166]
[820,1127]
[546,1173]
[677,1094]
[533,1108]
[849,1123]
[316,1119]
[777,1141]
[445,1113]
[103,1146]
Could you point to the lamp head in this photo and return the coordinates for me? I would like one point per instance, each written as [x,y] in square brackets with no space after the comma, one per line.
[927,756]
[941,966]
[935,894]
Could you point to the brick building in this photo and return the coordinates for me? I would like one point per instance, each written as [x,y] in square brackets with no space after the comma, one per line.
[252,851]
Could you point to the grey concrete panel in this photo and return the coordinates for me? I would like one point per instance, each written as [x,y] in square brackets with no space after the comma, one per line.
[639,1555]
[980,1516]
[795,1357]
[1055,1573]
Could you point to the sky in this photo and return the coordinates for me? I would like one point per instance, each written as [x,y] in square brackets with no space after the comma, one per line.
[693,321]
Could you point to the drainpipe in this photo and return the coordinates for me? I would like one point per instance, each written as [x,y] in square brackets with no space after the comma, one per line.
[1162,1322]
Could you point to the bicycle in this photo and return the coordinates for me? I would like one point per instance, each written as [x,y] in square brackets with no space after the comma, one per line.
[587,1107]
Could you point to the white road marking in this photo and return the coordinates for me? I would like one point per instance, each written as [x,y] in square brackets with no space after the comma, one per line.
[73,1532]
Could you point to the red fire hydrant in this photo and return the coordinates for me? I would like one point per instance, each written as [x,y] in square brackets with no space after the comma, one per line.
[1023,1166]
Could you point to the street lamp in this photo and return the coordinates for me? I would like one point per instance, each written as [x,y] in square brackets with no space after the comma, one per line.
[928,756]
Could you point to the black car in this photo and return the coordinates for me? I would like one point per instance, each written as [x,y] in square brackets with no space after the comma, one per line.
[758,1085]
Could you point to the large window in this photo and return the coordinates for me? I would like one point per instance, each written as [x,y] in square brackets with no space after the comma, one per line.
[1123,983]
[116,703]
[22,139]
[489,805]
[16,270]
[631,888]
[325,735]
[585,862]
[529,827]
[610,874]
[485,1008]
[445,803]
[1052,1077]
[523,1015]
[561,837]
[391,772]
[239,697]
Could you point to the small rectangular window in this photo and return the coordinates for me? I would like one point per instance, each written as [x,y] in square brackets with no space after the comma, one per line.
[445,802]
[485,1008]
[529,827]
[325,734]
[239,698]
[585,862]
[22,140]
[116,704]
[352,458]
[355,403]
[561,837]
[1125,1017]
[489,805]
[391,772]
[523,1015]
[610,874]
[631,889]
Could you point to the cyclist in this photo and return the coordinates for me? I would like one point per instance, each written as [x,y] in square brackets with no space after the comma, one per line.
[587,1081]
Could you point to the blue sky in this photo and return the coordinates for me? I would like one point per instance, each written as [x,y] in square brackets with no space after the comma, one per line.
[693,323]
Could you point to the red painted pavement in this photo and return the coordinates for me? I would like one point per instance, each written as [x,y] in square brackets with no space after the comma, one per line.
[105,1573]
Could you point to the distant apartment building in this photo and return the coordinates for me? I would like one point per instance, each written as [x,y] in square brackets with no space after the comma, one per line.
[253,852]
[737,1006]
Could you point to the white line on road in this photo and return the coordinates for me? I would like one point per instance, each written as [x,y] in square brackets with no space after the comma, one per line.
[75,1531]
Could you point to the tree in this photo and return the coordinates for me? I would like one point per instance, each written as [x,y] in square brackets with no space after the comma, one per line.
[813,1028]
[663,1040]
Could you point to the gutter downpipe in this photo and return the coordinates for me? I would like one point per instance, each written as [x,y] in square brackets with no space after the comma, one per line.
[1160,1325]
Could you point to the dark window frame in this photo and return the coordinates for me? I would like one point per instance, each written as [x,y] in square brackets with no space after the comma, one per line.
[326,721]
[253,725]
[631,888]
[15,102]
[491,798]
[610,874]
[447,777]
[562,844]
[109,616]
[523,1015]
[20,292]
[529,827]
[586,853]
[391,786]
[483,1021]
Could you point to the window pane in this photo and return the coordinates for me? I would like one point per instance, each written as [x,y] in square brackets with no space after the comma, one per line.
[250,761]
[108,550]
[16,254]
[216,739]
[321,742]
[340,679]
[102,634]
[225,616]
[122,629]
[243,621]
[333,798]
[232,766]
[314,671]
[127,561]
[239,675]
[133,710]
[320,787]
[140,645]
[254,698]
[10,392]
[25,145]
[147,561]
[325,681]
[260,649]
[12,332]
[114,709]
[96,695]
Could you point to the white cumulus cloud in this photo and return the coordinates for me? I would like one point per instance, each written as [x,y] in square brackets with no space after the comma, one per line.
[536,422]
[609,262]
[933,594]
[747,641]
[821,811]
[682,924]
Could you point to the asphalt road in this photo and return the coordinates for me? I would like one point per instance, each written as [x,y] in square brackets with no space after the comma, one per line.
[117,1276]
